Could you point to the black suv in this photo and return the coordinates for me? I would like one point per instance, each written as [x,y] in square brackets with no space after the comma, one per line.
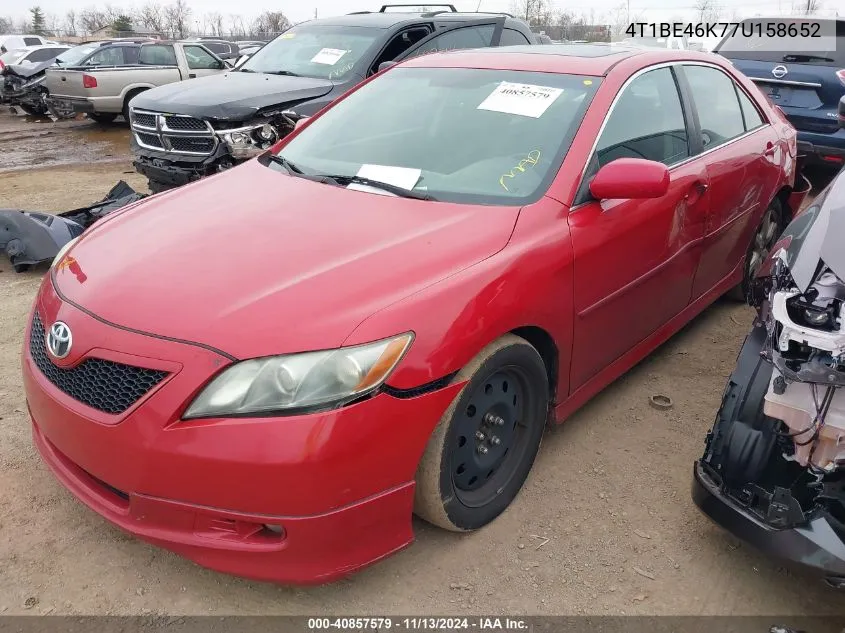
[223,119]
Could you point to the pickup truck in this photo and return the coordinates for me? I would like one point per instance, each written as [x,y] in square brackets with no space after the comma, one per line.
[105,92]
[182,133]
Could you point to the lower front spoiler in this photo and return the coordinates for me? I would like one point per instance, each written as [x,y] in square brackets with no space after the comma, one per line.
[815,545]
[300,550]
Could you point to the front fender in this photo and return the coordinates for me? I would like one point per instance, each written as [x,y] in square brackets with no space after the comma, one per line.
[528,283]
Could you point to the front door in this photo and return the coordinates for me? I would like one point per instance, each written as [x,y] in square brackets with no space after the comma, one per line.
[635,259]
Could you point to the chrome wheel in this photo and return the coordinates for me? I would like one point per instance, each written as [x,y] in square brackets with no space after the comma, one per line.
[764,239]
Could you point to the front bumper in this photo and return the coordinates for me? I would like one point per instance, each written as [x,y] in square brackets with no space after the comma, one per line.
[338,484]
[174,170]
[816,546]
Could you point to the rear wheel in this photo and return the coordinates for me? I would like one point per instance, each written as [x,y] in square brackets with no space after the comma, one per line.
[764,238]
[129,98]
[102,117]
[484,445]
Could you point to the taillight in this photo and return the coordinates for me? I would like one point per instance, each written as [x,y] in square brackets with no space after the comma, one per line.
[841,75]
[2,65]
[89,81]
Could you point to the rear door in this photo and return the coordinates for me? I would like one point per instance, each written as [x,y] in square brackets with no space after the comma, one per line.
[806,85]
[481,33]
[742,153]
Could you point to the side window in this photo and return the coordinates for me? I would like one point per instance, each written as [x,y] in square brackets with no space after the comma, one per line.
[42,55]
[399,44]
[32,41]
[646,122]
[109,56]
[130,54]
[157,55]
[200,59]
[750,113]
[716,103]
[462,37]
[511,37]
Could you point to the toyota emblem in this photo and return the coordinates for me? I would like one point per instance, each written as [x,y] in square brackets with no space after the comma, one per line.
[779,71]
[59,340]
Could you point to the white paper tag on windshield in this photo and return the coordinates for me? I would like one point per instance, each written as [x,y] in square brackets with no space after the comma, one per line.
[521,99]
[404,177]
[328,56]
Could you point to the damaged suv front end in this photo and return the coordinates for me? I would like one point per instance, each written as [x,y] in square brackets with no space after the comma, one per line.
[773,472]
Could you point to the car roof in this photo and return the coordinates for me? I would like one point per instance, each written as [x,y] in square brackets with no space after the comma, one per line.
[575,59]
[390,19]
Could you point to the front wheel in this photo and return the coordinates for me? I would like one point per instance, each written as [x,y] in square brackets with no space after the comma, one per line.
[484,445]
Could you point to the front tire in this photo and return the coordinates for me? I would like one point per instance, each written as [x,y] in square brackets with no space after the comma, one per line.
[102,117]
[482,450]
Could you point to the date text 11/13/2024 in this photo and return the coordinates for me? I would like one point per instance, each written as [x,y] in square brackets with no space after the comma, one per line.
[418,624]
[757,28]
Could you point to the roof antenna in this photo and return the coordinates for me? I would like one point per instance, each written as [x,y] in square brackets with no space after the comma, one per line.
[479,6]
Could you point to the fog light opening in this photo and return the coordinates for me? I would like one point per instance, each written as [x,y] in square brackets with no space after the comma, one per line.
[276,530]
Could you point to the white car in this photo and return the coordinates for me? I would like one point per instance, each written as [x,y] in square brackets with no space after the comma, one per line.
[12,42]
[32,54]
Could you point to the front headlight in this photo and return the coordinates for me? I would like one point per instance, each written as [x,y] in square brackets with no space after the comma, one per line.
[63,251]
[296,382]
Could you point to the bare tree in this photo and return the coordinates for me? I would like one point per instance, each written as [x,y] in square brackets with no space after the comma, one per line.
[215,22]
[92,19]
[538,13]
[70,23]
[236,26]
[178,16]
[152,16]
[270,22]
[807,7]
[54,23]
[708,11]
[5,24]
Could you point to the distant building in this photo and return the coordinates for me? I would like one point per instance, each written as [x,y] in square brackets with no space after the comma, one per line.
[136,31]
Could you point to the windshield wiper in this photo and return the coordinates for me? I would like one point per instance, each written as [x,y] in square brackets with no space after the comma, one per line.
[245,70]
[286,73]
[376,184]
[800,57]
[284,162]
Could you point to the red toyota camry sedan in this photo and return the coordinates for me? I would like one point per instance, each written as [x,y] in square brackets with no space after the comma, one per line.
[268,371]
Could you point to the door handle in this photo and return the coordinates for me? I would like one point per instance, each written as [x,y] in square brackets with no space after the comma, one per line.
[770,149]
[192,75]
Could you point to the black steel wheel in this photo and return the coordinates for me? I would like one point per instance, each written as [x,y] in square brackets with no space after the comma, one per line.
[484,446]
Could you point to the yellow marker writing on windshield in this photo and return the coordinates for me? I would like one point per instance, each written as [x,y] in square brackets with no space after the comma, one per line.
[532,159]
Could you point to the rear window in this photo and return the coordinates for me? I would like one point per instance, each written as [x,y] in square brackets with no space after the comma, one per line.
[157,55]
[32,41]
[757,47]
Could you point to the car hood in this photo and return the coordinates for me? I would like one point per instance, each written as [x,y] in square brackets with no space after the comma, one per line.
[815,235]
[27,70]
[254,262]
[231,96]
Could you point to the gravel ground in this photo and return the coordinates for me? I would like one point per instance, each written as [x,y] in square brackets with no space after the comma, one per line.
[604,525]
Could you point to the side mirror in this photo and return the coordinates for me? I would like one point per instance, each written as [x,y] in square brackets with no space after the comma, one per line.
[841,115]
[385,65]
[630,178]
[300,122]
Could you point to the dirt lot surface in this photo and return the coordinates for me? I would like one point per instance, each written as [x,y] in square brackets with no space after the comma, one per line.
[605,524]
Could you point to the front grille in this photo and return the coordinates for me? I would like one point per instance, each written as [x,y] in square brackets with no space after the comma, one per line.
[101,384]
[191,144]
[184,123]
[173,134]
[143,119]
[149,139]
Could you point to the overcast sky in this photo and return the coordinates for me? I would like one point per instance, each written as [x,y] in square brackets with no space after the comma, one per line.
[651,10]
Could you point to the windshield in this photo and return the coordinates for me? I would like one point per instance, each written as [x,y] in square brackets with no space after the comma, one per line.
[456,134]
[76,54]
[13,57]
[327,52]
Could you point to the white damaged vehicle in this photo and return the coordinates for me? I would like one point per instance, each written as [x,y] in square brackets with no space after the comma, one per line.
[773,472]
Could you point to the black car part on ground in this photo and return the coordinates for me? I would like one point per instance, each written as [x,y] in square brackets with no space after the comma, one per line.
[773,471]
[29,237]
